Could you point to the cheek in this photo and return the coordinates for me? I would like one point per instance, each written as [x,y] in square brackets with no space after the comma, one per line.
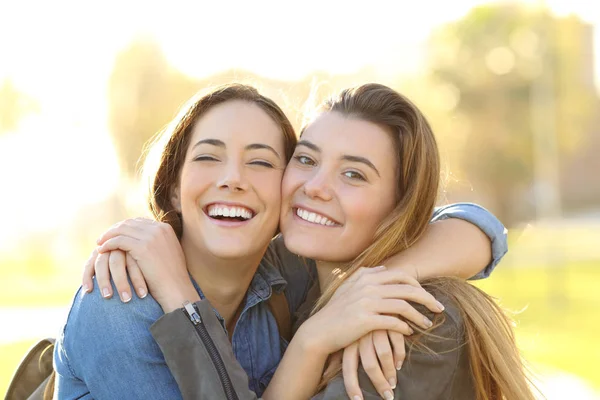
[268,187]
[365,211]
[292,179]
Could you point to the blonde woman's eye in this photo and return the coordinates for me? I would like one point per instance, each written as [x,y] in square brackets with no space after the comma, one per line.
[304,160]
[354,175]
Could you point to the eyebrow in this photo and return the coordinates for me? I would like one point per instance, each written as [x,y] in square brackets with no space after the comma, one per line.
[252,146]
[345,157]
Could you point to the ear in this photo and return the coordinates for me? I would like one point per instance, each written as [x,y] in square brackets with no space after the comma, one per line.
[176,200]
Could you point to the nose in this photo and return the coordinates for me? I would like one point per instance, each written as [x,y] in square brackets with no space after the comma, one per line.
[318,187]
[232,179]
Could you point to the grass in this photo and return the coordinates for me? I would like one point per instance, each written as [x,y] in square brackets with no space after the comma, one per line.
[559,321]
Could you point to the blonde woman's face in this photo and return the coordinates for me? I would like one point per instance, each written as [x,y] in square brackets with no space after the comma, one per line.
[338,188]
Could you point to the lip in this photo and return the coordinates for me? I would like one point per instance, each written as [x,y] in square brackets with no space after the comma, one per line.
[296,206]
[228,224]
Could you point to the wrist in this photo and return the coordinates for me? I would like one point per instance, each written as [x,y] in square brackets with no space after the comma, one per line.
[174,299]
[309,341]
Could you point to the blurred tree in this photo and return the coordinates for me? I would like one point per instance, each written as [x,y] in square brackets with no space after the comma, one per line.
[14,105]
[487,67]
[144,95]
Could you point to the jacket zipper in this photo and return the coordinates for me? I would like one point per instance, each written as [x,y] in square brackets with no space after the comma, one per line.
[194,316]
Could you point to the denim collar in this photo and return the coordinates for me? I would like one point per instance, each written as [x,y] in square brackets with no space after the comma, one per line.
[266,279]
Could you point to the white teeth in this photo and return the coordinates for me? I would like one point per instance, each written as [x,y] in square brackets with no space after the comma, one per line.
[231,212]
[313,217]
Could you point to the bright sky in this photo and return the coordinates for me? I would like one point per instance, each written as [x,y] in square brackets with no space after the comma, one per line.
[61,53]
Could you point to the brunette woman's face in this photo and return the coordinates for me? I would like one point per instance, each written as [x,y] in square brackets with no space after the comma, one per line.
[229,190]
[338,188]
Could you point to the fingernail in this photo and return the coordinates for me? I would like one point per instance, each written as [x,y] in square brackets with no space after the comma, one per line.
[86,288]
[411,331]
[440,306]
[379,267]
[105,292]
[399,365]
[388,395]
[142,292]
[392,382]
[125,297]
[357,398]
[428,323]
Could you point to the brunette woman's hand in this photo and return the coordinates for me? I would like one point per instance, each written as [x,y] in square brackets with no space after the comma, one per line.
[380,352]
[367,301]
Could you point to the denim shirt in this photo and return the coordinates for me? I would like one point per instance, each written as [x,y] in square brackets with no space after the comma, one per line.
[106,350]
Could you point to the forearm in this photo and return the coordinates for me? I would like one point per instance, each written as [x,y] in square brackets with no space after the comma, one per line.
[451,247]
[300,370]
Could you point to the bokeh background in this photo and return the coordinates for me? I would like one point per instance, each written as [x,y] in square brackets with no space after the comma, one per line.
[511,88]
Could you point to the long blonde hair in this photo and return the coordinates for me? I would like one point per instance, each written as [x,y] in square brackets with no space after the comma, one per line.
[496,366]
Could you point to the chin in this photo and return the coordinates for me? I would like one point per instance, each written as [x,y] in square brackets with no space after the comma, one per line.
[311,247]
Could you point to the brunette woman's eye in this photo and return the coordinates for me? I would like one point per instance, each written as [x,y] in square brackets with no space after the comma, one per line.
[304,160]
[205,158]
[262,163]
[354,175]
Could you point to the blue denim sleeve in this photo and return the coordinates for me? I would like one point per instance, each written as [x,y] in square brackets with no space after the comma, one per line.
[484,220]
[106,351]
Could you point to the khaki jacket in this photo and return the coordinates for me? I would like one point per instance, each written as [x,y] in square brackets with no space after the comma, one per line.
[205,370]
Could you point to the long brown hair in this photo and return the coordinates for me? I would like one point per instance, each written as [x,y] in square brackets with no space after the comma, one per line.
[166,153]
[496,366]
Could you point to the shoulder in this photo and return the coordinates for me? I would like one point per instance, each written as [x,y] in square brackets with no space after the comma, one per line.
[95,322]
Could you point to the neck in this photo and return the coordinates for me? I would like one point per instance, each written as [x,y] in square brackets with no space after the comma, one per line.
[327,271]
[224,282]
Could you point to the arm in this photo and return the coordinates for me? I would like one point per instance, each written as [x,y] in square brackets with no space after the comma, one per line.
[463,240]
[106,351]
[442,374]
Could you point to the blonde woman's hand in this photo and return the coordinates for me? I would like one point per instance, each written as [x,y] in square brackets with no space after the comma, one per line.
[118,266]
[152,248]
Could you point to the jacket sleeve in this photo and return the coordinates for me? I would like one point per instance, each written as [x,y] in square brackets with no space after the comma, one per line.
[193,364]
[440,374]
[486,222]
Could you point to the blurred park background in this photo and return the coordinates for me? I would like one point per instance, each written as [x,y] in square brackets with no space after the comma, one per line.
[511,88]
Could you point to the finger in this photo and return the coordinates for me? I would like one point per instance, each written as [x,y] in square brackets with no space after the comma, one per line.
[368,358]
[383,348]
[118,273]
[403,309]
[362,271]
[350,371]
[131,229]
[387,276]
[390,323]
[88,272]
[124,243]
[136,277]
[410,293]
[398,347]
[103,275]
